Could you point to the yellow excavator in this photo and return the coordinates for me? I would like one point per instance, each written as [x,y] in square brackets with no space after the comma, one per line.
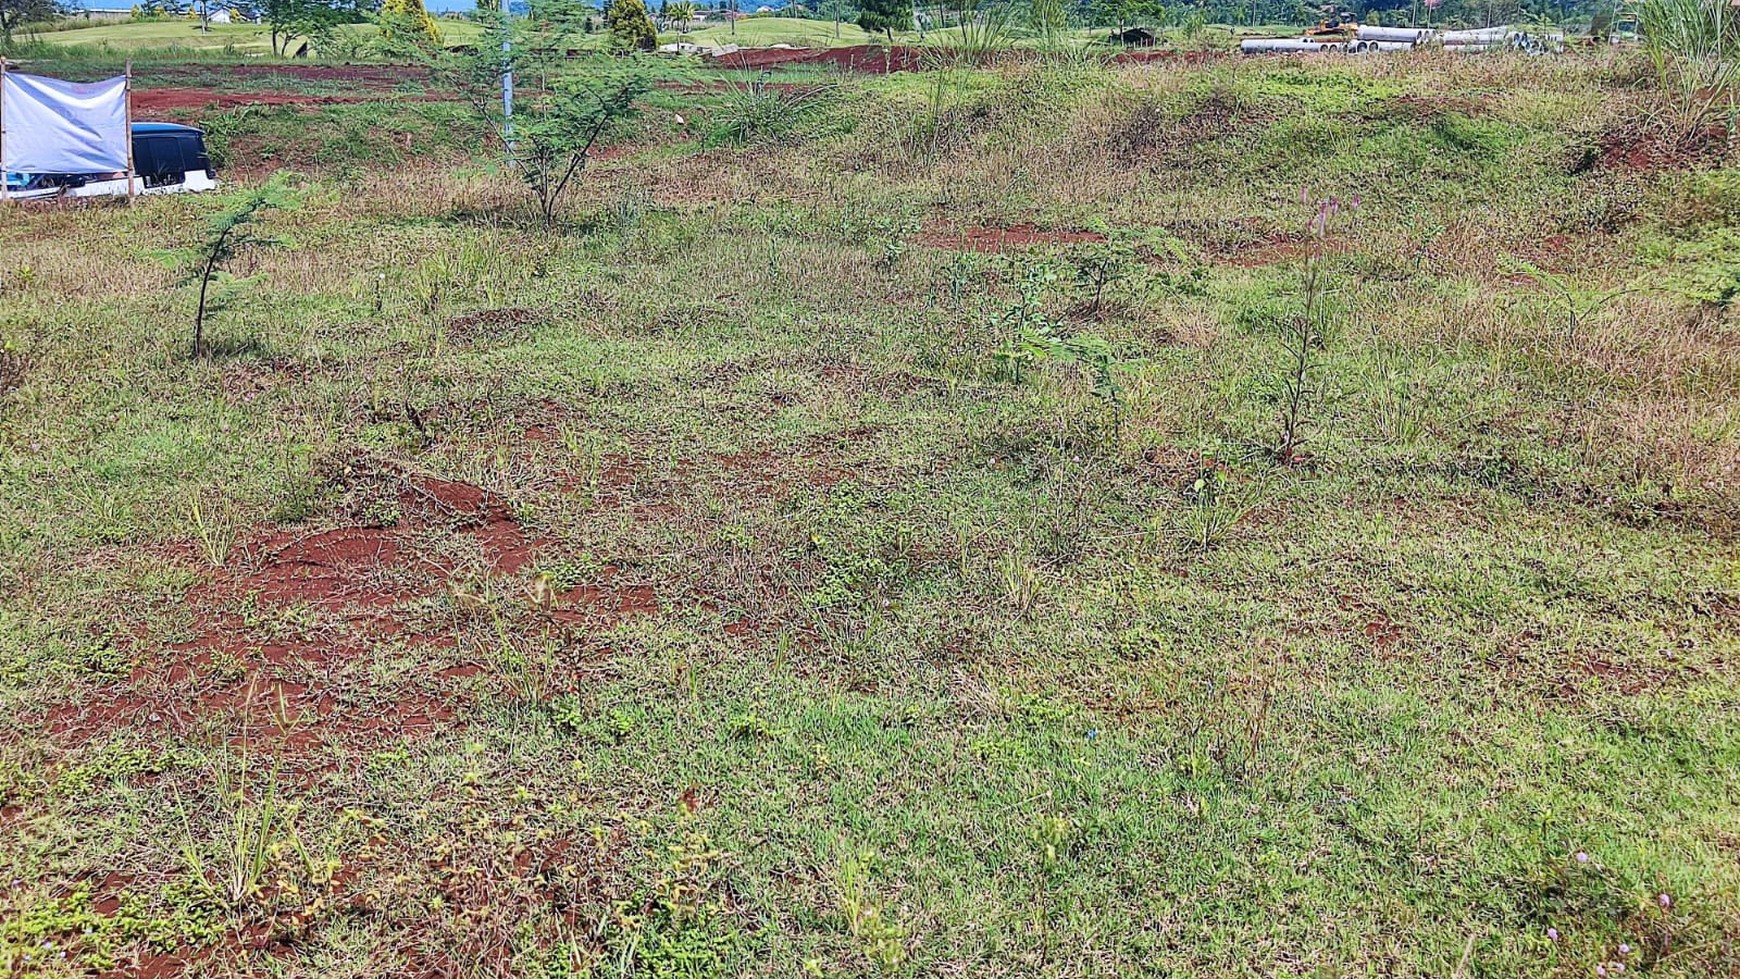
[1337,24]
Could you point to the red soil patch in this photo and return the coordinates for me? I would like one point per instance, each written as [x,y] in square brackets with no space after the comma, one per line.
[83,721]
[350,566]
[1639,146]
[775,475]
[993,240]
[860,57]
[106,900]
[605,602]
[355,573]
[380,75]
[160,100]
[606,485]
[1282,248]
[358,83]
[1383,632]
[323,568]
[708,88]
[1424,108]
[1629,680]
[151,965]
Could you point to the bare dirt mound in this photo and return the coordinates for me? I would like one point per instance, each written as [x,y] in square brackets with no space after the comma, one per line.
[1648,145]
[355,566]
[292,607]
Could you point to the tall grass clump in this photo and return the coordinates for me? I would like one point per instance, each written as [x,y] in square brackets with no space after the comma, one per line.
[984,28]
[754,111]
[1694,45]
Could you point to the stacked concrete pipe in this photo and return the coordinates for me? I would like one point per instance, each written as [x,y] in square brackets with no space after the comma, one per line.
[1394,39]
[1281,45]
[1409,36]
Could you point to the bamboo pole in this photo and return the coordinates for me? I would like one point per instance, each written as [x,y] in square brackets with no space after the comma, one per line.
[128,94]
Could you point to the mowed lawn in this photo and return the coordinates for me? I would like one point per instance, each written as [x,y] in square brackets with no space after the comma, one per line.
[859,541]
[183,34]
[163,40]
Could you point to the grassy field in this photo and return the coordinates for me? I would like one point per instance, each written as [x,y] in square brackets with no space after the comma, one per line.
[971,527]
[763,31]
[256,39]
[184,36]
[167,35]
[766,31]
[172,38]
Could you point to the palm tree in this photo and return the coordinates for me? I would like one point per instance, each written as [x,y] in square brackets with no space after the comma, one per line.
[681,14]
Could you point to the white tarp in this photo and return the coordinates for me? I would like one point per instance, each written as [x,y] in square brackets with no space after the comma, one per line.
[51,126]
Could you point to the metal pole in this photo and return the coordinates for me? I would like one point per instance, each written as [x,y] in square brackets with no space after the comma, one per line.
[128,94]
[507,80]
[5,194]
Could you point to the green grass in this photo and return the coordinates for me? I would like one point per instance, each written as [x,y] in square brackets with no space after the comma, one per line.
[169,34]
[815,33]
[765,31]
[181,37]
[798,636]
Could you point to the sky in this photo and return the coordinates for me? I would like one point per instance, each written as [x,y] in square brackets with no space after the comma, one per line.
[436,6]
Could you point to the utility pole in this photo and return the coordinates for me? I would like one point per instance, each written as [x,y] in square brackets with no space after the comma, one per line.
[507,80]
[5,192]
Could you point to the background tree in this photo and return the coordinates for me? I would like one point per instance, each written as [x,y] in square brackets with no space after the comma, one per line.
[631,29]
[407,22]
[837,11]
[885,17]
[16,13]
[682,15]
[151,9]
[311,20]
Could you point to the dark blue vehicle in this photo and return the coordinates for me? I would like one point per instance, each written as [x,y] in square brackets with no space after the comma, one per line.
[167,159]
